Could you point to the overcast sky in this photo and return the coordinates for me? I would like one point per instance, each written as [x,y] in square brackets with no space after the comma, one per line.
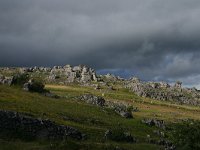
[152,39]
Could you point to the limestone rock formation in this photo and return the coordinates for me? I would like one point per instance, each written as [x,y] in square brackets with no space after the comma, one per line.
[121,109]
[91,99]
[56,74]
[163,91]
[111,78]
[73,74]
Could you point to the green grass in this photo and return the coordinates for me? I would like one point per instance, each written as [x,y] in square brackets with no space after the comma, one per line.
[148,107]
[91,120]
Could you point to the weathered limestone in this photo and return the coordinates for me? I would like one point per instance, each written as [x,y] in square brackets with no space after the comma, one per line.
[163,91]
[111,78]
[121,109]
[91,99]
[73,74]
[178,84]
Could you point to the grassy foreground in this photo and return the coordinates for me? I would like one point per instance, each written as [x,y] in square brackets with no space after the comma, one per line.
[91,120]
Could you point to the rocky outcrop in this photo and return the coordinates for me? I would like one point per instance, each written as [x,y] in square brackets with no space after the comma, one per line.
[92,99]
[120,108]
[73,74]
[163,91]
[154,122]
[56,74]
[36,128]
[110,78]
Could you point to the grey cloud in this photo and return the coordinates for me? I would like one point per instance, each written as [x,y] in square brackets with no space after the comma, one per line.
[154,39]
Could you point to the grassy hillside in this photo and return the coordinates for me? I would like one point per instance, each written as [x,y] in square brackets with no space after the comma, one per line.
[90,120]
[148,107]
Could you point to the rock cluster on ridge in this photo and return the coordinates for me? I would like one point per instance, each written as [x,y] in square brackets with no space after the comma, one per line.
[86,76]
[64,74]
[72,74]
[163,91]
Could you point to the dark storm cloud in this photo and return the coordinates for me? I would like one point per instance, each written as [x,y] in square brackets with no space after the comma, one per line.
[154,39]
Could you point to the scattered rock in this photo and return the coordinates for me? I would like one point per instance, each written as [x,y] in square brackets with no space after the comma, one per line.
[126,114]
[154,122]
[94,100]
[121,109]
[97,87]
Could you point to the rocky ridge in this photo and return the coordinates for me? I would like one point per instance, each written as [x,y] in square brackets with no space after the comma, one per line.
[86,76]
[164,91]
[66,73]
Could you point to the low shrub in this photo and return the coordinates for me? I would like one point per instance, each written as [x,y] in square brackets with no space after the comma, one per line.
[20,79]
[186,135]
[119,134]
[36,86]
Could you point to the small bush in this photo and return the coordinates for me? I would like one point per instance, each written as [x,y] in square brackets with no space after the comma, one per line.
[36,86]
[120,135]
[20,79]
[186,135]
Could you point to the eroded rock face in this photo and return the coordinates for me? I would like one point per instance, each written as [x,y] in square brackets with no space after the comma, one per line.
[163,91]
[37,128]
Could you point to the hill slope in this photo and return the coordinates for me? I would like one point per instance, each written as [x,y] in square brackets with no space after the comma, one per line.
[91,120]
